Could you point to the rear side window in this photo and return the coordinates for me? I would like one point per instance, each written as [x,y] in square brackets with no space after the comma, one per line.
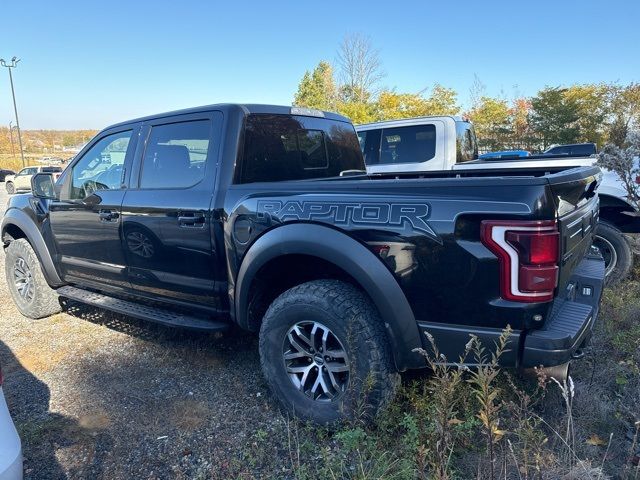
[466,144]
[370,145]
[176,155]
[291,147]
[411,144]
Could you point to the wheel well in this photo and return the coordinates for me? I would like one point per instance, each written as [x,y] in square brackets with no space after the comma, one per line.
[283,273]
[12,232]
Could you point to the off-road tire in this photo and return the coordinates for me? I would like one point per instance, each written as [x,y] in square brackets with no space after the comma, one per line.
[11,188]
[44,301]
[614,238]
[355,322]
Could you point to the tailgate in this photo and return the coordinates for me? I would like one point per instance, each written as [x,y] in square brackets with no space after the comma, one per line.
[575,194]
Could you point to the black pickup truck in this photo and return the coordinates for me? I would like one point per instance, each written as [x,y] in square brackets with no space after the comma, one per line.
[262,217]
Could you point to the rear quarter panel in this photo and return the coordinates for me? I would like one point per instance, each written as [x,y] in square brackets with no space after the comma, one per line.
[431,229]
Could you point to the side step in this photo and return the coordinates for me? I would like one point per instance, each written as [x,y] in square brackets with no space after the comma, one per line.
[144,312]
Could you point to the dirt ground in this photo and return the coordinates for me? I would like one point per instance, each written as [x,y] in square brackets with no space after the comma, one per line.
[98,395]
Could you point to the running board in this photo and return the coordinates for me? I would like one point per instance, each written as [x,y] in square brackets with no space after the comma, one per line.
[144,312]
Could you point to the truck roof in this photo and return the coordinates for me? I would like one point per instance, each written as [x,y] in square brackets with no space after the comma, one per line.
[247,108]
[408,121]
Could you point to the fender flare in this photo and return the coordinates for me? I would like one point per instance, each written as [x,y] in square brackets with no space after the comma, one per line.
[21,220]
[352,257]
[607,200]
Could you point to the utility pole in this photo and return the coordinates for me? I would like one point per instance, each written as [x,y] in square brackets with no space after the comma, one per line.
[13,151]
[14,64]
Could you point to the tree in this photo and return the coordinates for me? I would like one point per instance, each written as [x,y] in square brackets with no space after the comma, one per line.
[554,116]
[477,91]
[592,102]
[491,118]
[360,69]
[317,89]
[357,112]
[625,110]
[442,101]
[391,105]
[624,162]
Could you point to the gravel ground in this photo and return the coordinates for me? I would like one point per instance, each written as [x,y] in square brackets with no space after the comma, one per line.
[99,395]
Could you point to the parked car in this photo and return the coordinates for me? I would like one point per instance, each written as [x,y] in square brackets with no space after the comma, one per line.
[51,160]
[4,173]
[238,214]
[21,181]
[10,446]
[428,144]
[505,154]
[575,149]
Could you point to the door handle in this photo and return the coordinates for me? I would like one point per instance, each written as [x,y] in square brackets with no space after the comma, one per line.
[191,219]
[108,216]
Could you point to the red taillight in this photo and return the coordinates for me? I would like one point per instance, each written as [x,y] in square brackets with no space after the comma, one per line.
[535,248]
[528,253]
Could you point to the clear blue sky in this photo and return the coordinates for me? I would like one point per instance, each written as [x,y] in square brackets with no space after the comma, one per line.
[89,64]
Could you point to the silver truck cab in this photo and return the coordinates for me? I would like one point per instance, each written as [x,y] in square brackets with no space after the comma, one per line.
[417,144]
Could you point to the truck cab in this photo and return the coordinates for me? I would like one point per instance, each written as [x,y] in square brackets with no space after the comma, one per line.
[421,144]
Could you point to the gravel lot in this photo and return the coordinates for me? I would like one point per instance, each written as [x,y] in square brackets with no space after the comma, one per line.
[98,395]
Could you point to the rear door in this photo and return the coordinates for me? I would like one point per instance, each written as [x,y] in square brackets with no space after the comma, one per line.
[85,221]
[167,225]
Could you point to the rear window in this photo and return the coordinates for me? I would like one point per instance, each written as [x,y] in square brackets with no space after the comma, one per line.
[290,147]
[51,169]
[410,144]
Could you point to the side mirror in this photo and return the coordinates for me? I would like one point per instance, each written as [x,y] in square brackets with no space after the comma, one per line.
[43,186]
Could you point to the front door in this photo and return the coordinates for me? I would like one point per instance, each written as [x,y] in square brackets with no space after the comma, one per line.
[167,228]
[86,221]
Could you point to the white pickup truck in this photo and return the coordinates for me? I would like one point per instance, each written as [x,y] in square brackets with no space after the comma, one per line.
[449,143]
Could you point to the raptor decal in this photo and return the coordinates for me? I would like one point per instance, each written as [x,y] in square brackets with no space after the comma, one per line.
[406,216]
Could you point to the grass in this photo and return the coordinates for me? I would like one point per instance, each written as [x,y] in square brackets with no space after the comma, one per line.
[490,424]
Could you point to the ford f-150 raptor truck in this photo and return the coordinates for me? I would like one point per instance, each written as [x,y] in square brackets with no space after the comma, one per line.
[426,144]
[262,217]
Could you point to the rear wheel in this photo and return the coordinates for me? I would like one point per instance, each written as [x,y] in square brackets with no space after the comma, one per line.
[325,354]
[30,291]
[11,188]
[616,251]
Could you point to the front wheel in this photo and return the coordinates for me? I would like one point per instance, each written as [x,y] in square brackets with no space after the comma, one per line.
[11,188]
[325,353]
[30,291]
[616,251]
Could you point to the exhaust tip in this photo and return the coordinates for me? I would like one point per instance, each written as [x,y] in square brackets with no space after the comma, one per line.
[558,372]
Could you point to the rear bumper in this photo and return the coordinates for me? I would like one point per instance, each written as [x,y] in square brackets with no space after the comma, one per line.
[572,318]
[567,329]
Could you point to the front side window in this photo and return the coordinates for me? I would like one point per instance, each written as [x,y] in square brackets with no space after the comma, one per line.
[101,168]
[411,144]
[176,155]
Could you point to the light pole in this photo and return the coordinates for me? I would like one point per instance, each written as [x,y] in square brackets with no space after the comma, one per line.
[14,64]
[13,152]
